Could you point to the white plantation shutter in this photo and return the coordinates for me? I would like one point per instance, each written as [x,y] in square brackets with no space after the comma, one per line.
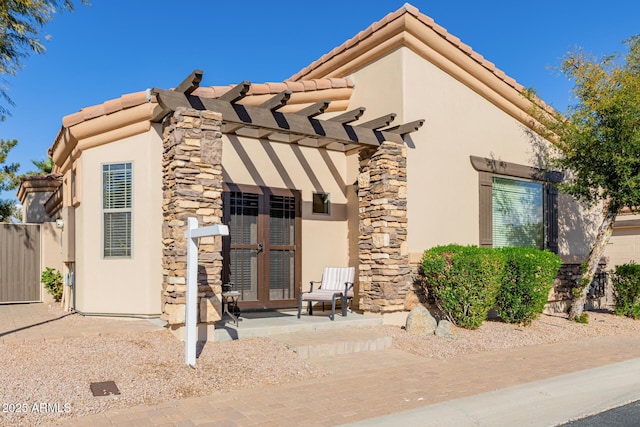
[116,206]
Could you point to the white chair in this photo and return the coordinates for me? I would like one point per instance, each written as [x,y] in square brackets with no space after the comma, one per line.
[337,282]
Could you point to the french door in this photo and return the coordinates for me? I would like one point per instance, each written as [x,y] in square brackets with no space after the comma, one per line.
[262,252]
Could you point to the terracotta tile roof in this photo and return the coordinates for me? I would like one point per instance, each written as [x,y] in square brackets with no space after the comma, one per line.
[108,107]
[137,98]
[272,88]
[410,10]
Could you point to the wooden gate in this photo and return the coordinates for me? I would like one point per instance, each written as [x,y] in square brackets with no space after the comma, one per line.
[19,263]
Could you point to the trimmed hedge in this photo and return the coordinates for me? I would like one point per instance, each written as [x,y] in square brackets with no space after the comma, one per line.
[526,281]
[626,290]
[464,280]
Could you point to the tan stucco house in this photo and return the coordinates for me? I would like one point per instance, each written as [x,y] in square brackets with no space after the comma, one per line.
[306,178]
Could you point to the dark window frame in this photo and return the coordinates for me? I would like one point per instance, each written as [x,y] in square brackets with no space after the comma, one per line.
[490,168]
[326,203]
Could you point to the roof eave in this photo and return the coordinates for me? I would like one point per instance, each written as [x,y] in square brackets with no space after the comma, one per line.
[409,28]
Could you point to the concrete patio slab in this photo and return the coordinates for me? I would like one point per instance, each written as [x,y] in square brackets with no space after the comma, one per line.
[260,324]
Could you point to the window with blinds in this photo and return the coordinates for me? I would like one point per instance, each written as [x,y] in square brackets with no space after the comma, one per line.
[117,194]
[517,213]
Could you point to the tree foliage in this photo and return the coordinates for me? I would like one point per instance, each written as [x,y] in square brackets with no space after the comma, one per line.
[597,140]
[9,212]
[9,179]
[43,167]
[20,24]
[599,137]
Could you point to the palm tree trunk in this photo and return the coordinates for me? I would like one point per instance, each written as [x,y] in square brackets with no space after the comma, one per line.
[597,251]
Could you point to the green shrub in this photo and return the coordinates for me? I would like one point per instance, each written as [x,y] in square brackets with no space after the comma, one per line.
[464,281]
[626,290]
[52,280]
[526,281]
[583,318]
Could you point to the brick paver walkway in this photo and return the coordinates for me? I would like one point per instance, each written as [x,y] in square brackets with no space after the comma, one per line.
[367,385]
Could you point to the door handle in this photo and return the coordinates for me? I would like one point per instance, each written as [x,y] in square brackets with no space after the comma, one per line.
[260,247]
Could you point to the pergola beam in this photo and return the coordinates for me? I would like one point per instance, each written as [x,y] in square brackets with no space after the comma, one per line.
[314,109]
[297,125]
[278,101]
[406,128]
[191,83]
[349,116]
[231,127]
[379,122]
[236,93]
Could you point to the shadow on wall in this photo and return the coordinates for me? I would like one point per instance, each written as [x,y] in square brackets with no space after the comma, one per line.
[577,223]
[578,226]
[256,171]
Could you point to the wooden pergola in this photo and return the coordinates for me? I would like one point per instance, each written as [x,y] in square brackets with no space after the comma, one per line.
[301,128]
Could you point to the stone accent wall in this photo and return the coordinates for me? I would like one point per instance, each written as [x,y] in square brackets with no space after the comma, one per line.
[601,296]
[384,274]
[192,187]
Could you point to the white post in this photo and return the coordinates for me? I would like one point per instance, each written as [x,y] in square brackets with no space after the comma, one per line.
[192,293]
[192,234]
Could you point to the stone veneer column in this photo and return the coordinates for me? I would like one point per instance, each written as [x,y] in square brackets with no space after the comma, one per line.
[384,276]
[192,186]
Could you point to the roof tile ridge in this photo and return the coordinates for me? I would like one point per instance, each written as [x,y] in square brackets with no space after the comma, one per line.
[324,83]
[42,177]
[468,50]
[109,106]
[362,35]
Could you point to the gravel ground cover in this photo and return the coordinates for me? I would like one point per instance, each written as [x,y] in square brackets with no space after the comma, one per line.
[496,335]
[44,382]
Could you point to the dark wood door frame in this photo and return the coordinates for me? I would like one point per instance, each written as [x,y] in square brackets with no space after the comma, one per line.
[263,271]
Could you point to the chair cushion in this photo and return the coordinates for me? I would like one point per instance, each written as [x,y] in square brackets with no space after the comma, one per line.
[320,295]
[334,278]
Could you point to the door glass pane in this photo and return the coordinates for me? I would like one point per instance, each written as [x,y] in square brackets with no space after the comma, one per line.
[517,209]
[244,273]
[281,274]
[243,220]
[282,220]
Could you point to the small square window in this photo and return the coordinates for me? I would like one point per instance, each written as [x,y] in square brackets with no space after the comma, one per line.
[321,203]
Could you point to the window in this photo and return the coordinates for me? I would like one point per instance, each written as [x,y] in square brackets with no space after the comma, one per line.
[116,209]
[518,205]
[321,203]
[517,213]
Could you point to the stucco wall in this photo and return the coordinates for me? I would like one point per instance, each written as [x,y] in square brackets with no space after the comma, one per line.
[624,245]
[51,252]
[33,210]
[443,201]
[262,163]
[131,285]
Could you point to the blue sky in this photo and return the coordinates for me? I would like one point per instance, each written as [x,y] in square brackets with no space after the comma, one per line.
[113,47]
